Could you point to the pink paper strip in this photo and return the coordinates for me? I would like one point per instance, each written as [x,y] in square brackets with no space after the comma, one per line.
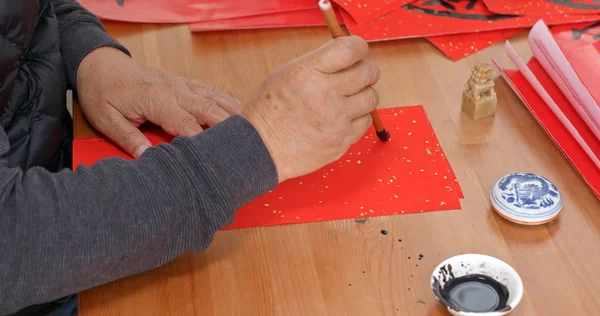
[549,54]
[524,69]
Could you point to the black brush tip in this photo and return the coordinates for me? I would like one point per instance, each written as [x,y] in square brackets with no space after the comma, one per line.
[384,135]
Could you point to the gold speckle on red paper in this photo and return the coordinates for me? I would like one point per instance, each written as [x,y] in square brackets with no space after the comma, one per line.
[369,186]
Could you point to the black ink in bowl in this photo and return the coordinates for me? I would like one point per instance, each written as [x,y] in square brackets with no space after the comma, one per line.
[476,284]
[474,293]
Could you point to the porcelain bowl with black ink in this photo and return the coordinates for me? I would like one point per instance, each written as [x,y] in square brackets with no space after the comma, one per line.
[476,285]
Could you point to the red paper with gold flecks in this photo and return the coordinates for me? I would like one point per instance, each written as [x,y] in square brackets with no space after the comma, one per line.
[431,18]
[542,7]
[408,174]
[186,11]
[363,11]
[300,18]
[458,46]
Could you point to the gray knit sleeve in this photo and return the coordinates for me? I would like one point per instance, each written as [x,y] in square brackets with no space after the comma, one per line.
[61,233]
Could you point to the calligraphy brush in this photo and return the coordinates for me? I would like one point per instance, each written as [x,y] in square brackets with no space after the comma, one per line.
[336,31]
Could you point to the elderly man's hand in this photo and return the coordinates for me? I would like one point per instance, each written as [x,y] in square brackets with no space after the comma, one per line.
[310,111]
[117,95]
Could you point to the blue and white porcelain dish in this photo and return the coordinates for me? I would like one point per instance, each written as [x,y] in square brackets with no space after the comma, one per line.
[526,198]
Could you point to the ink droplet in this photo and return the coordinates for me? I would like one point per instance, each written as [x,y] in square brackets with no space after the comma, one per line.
[384,232]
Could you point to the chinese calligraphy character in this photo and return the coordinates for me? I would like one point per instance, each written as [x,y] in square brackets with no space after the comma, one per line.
[451,9]
[448,5]
[577,33]
[576,5]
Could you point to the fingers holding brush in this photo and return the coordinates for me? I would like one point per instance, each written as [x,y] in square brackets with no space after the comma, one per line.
[359,126]
[337,33]
[358,76]
[362,103]
[337,54]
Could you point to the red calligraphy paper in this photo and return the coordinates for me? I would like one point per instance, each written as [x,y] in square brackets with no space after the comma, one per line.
[426,18]
[542,7]
[186,11]
[458,46]
[452,175]
[409,174]
[406,175]
[367,10]
[552,125]
[301,18]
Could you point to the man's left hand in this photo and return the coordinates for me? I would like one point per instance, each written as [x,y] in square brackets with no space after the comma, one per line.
[117,95]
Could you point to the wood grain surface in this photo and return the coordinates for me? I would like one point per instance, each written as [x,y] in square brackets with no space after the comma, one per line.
[349,268]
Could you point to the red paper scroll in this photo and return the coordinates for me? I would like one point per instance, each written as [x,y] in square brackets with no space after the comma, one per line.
[457,46]
[542,7]
[311,17]
[185,11]
[367,10]
[557,131]
[408,174]
[421,18]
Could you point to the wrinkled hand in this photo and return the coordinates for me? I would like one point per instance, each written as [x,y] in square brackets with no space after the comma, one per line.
[310,111]
[117,95]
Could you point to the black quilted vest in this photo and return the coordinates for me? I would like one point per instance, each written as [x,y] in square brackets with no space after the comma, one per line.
[33,86]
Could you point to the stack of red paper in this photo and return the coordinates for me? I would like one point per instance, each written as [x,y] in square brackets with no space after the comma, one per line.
[457,27]
[561,87]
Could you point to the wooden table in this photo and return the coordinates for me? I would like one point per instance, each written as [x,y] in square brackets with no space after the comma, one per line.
[349,268]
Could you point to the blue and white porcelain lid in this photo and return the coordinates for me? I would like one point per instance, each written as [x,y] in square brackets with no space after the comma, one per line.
[526,198]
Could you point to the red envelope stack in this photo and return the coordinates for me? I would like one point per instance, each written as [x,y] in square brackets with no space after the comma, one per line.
[457,27]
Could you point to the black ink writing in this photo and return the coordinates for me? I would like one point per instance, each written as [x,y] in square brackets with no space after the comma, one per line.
[577,33]
[451,10]
[576,5]
[447,3]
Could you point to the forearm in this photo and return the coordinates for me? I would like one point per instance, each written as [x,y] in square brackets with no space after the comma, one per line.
[80,33]
[63,233]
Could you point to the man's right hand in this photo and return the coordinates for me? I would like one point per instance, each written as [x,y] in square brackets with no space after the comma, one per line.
[311,110]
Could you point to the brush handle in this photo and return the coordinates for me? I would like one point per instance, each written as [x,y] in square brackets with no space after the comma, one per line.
[336,31]
[377,121]
[329,15]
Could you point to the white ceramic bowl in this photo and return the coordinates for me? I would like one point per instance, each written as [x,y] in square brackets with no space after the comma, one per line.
[469,264]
